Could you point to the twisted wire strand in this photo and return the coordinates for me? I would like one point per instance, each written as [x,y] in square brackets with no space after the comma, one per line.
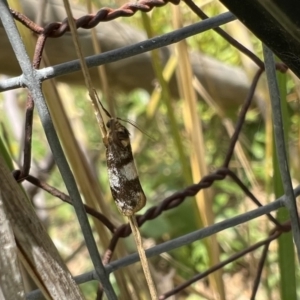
[105,14]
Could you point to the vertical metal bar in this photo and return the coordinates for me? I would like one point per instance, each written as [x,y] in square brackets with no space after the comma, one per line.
[290,201]
[34,87]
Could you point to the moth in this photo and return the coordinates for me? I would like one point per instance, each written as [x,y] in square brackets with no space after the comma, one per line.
[123,177]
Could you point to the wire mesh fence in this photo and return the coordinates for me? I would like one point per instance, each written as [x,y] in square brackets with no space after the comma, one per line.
[32,77]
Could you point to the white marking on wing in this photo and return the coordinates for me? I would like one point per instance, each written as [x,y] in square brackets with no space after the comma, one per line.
[121,204]
[110,155]
[129,171]
[114,178]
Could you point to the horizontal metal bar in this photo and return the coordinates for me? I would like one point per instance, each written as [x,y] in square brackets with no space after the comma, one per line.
[180,241]
[121,53]
[197,235]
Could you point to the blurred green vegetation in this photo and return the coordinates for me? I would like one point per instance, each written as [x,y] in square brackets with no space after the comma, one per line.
[161,173]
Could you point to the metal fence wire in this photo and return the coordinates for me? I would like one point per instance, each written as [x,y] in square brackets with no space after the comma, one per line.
[32,77]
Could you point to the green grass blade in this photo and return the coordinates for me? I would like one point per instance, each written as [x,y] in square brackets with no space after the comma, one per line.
[286,254]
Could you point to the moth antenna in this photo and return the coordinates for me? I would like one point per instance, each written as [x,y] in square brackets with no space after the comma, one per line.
[132,123]
[105,110]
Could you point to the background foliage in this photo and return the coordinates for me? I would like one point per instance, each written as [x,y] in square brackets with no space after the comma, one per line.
[163,172]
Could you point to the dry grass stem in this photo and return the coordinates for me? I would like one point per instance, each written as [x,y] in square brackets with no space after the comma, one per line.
[141,251]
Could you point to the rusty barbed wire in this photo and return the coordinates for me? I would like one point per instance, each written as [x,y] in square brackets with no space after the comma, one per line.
[177,198]
[57,29]
[65,198]
[168,203]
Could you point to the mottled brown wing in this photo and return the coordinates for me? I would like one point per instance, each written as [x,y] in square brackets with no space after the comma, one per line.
[123,177]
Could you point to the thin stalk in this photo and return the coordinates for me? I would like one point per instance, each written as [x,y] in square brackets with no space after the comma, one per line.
[166,97]
[101,69]
[144,262]
[194,130]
